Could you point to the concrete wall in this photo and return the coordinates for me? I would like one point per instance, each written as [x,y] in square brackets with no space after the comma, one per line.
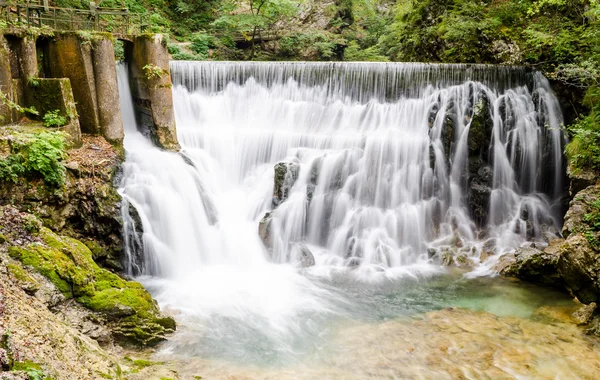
[152,89]
[47,95]
[90,65]
[5,83]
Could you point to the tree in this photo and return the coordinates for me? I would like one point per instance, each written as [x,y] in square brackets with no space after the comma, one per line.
[251,18]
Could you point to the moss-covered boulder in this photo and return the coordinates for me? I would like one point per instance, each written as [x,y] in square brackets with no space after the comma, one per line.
[130,310]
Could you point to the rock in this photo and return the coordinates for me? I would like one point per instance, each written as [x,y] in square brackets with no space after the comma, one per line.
[4,360]
[479,189]
[67,263]
[581,179]
[302,256]
[73,166]
[578,208]
[264,230]
[480,131]
[579,266]
[534,265]
[594,328]
[585,313]
[286,174]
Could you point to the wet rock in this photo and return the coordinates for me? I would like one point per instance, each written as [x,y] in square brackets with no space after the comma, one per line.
[479,189]
[480,131]
[579,266]
[302,256]
[585,314]
[264,230]
[286,174]
[534,265]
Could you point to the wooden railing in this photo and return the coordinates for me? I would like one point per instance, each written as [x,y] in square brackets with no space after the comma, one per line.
[118,21]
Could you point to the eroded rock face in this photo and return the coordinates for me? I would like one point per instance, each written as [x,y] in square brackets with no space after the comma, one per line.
[579,263]
[87,206]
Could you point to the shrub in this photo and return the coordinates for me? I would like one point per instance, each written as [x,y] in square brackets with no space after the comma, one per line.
[38,155]
[54,119]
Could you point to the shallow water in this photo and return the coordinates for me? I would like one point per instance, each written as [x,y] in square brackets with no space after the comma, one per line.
[341,326]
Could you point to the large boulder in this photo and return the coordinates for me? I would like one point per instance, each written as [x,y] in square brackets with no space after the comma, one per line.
[579,266]
[537,266]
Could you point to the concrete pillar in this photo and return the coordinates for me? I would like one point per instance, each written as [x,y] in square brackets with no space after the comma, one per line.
[152,88]
[28,64]
[5,82]
[107,90]
[72,58]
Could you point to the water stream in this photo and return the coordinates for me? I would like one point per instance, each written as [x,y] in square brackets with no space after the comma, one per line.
[389,169]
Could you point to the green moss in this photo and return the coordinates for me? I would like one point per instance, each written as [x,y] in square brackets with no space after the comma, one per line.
[2,239]
[69,265]
[141,364]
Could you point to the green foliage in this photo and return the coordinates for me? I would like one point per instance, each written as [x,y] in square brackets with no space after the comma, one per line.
[154,72]
[38,155]
[54,119]
[354,53]
[201,43]
[319,44]
[119,51]
[584,148]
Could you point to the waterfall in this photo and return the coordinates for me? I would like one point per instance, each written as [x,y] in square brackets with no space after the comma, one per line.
[388,164]
[368,173]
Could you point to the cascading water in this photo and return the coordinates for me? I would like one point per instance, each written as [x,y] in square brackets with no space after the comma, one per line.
[384,169]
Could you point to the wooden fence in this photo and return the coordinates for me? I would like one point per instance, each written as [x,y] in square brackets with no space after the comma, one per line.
[113,20]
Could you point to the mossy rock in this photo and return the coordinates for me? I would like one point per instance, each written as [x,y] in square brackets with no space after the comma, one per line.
[23,279]
[69,265]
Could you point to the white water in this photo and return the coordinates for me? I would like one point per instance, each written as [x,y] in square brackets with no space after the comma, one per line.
[381,189]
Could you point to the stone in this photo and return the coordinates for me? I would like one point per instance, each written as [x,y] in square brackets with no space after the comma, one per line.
[585,313]
[302,256]
[264,230]
[580,205]
[534,265]
[580,179]
[480,130]
[479,189]
[286,174]
[579,267]
[4,360]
